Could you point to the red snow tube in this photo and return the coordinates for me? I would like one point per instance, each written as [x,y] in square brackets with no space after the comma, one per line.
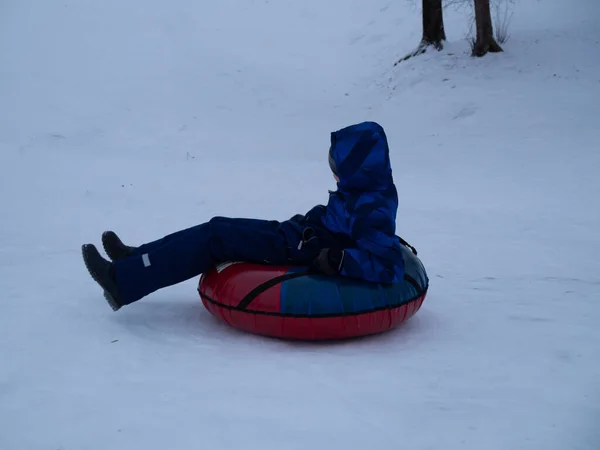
[291,303]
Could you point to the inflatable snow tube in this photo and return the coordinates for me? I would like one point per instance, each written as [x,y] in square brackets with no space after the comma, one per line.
[291,303]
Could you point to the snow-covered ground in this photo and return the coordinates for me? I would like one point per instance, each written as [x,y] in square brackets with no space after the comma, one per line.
[150,116]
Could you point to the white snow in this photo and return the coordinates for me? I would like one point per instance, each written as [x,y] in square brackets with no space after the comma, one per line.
[149,116]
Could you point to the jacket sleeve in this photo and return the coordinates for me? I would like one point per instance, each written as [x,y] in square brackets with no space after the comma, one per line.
[376,258]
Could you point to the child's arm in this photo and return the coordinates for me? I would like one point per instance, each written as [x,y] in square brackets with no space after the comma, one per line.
[375,259]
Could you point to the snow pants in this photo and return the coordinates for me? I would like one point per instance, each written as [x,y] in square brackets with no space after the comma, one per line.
[193,251]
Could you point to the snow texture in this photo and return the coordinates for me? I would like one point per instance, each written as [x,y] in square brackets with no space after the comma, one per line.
[150,116]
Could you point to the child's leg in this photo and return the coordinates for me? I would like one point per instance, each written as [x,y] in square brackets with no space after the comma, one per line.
[188,253]
[155,245]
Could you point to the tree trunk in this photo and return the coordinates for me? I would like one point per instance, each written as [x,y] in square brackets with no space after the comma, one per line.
[433,24]
[433,28]
[485,41]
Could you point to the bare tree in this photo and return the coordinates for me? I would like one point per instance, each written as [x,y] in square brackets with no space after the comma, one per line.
[484,41]
[433,24]
[433,28]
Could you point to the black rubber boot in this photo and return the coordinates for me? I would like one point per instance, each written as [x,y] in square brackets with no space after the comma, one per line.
[114,248]
[102,271]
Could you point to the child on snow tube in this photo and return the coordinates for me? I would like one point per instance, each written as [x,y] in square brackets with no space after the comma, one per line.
[353,236]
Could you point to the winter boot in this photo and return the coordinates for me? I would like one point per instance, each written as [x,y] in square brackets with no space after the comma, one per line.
[103,273]
[114,248]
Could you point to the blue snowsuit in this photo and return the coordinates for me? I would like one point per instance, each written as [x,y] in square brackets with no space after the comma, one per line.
[359,219]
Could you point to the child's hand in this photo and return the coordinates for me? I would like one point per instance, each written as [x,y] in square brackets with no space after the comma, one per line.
[329,261]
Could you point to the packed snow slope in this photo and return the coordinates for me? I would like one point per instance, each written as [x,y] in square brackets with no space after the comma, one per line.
[149,116]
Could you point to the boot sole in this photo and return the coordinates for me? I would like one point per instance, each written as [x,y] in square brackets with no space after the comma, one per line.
[109,298]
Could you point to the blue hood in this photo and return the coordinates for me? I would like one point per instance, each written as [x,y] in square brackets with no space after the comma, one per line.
[359,156]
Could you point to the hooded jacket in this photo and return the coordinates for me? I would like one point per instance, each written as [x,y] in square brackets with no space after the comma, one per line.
[361,213]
